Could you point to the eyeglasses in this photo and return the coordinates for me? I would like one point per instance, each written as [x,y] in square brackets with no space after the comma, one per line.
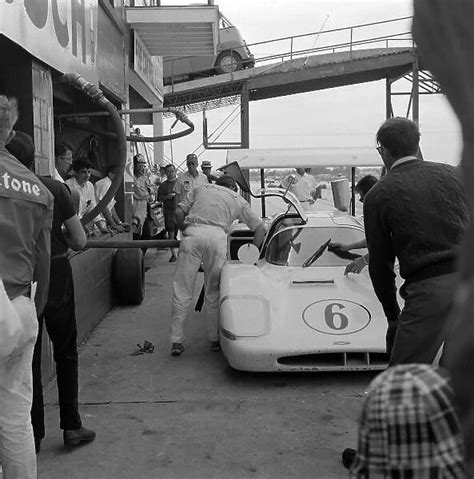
[192,163]
[379,149]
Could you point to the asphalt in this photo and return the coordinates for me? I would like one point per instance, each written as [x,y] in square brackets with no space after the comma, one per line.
[192,416]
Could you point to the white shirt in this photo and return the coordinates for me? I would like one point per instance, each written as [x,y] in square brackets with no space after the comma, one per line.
[86,195]
[217,206]
[101,187]
[304,188]
[186,182]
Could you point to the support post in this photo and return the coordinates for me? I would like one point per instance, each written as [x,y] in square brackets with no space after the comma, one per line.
[245,129]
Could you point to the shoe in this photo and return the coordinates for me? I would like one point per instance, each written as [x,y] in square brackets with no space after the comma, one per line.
[177,349]
[73,437]
[348,457]
[215,346]
[37,445]
[173,259]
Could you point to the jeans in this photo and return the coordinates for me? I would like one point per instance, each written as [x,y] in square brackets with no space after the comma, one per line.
[17,449]
[60,320]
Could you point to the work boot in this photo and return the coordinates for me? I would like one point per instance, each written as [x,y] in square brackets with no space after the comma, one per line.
[177,349]
[73,437]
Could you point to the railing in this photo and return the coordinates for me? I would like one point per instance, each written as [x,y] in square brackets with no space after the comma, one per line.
[335,40]
[396,33]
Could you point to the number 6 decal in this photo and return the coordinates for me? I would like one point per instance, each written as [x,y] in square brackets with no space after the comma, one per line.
[336,317]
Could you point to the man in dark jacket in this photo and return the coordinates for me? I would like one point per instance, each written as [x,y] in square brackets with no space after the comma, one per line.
[416,213]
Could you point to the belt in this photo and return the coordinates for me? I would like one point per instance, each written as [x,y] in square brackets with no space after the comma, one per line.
[58,256]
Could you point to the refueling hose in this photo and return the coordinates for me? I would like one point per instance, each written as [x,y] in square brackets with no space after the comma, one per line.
[96,96]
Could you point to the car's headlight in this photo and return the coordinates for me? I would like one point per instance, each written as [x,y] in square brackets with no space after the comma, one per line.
[244,316]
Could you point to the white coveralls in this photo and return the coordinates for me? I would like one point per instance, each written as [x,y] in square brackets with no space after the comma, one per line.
[210,210]
[17,447]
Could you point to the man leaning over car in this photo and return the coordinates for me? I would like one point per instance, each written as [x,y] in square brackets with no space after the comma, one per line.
[205,216]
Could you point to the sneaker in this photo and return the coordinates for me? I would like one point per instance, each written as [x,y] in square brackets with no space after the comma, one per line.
[173,259]
[215,346]
[348,457]
[73,437]
[177,349]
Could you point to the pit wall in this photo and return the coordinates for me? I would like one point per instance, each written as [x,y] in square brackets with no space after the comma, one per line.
[94,296]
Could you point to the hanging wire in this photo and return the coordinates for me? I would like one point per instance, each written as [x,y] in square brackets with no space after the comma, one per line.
[316,39]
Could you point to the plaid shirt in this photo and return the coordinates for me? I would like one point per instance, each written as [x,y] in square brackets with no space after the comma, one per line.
[408,428]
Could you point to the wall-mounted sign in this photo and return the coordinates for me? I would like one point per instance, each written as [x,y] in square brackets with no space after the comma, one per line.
[148,68]
[61,33]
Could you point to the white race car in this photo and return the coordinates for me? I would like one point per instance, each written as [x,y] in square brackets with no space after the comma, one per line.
[293,309]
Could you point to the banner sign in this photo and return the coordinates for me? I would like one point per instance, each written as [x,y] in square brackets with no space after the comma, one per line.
[61,33]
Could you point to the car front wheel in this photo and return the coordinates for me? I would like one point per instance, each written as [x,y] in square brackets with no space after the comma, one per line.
[228,62]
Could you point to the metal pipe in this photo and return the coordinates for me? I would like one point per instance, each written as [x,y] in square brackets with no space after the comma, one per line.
[132,244]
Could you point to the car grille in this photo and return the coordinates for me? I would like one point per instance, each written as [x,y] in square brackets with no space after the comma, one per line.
[336,361]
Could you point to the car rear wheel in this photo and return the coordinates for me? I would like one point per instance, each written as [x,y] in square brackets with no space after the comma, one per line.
[228,62]
[129,276]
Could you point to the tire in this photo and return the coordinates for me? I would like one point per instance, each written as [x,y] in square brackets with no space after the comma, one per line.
[129,276]
[228,62]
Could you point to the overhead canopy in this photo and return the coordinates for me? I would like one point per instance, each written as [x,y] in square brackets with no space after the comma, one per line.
[176,31]
[304,157]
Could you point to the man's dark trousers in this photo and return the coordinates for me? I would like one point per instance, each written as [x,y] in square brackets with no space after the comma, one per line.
[60,320]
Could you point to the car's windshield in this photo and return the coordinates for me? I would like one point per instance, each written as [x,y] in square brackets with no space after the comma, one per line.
[293,246]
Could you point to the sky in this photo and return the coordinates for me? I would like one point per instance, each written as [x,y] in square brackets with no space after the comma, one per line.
[344,116]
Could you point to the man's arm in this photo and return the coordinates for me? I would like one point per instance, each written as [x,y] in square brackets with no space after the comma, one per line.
[43,259]
[382,256]
[74,235]
[259,235]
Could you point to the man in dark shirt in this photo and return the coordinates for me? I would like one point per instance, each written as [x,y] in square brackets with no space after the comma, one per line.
[167,196]
[416,213]
[26,212]
[59,312]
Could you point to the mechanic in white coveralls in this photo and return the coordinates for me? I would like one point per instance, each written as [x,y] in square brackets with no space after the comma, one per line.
[205,217]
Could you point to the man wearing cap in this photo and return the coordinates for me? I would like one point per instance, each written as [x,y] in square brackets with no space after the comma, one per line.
[189,179]
[205,217]
[206,168]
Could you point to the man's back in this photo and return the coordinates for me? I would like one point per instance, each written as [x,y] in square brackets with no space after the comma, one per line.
[26,214]
[422,205]
[217,206]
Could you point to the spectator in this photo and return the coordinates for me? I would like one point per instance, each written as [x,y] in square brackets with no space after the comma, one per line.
[303,186]
[141,192]
[417,213]
[363,186]
[409,427]
[206,168]
[190,179]
[62,170]
[101,187]
[167,196]
[26,213]
[205,217]
[58,314]
[87,199]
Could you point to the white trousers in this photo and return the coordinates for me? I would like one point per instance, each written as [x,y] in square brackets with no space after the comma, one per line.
[206,244]
[17,447]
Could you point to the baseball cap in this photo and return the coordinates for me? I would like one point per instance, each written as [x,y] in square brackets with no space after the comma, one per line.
[206,164]
[191,157]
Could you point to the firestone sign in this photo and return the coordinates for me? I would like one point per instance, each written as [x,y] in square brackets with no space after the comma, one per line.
[61,33]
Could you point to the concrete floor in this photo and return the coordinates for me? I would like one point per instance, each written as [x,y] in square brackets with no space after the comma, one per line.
[158,416]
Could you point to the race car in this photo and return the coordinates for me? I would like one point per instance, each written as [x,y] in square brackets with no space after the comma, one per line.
[291,308]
